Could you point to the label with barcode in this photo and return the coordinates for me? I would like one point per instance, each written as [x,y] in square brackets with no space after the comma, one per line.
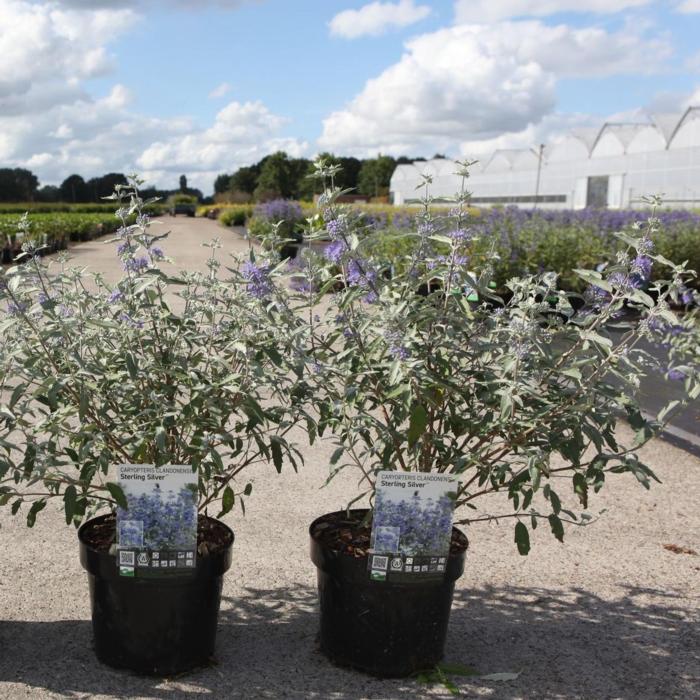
[411,526]
[157,531]
[127,558]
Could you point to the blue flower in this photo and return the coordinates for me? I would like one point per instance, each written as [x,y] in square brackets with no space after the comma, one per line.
[260,285]
[334,251]
[641,271]
[136,265]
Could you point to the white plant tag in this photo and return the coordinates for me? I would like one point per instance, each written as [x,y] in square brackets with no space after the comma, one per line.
[157,534]
[411,526]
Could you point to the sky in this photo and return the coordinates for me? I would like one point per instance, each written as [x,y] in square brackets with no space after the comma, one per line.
[202,87]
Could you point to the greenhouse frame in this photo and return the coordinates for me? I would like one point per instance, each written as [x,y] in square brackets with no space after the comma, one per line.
[614,166]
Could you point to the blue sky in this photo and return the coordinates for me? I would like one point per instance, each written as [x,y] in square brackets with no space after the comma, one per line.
[92,86]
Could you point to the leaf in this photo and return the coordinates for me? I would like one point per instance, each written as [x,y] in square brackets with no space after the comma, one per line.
[227,501]
[276,453]
[522,538]
[116,492]
[70,496]
[557,526]
[84,403]
[664,412]
[506,404]
[581,489]
[556,503]
[36,508]
[501,677]
[131,365]
[417,424]
[337,454]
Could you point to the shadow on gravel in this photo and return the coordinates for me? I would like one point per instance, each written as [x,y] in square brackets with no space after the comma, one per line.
[568,644]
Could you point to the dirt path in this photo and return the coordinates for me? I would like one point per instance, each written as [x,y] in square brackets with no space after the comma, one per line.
[611,613]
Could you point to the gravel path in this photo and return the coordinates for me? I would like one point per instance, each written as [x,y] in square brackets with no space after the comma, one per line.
[609,614]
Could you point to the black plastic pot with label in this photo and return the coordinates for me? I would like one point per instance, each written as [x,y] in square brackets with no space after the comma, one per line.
[384,628]
[160,625]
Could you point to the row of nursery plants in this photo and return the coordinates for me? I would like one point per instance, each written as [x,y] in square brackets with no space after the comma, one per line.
[503,409]
[49,233]
[56,207]
[379,216]
[518,242]
[514,241]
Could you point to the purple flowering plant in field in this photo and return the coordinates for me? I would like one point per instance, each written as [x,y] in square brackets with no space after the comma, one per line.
[162,367]
[531,398]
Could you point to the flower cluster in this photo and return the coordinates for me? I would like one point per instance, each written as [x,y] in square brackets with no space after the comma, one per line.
[260,284]
[453,370]
[423,528]
[159,521]
[160,368]
[278,210]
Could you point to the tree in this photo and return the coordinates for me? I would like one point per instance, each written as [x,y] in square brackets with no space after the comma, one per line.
[17,185]
[303,187]
[276,177]
[183,183]
[103,186]
[245,179]
[222,183]
[346,179]
[74,189]
[48,193]
[375,175]
[405,160]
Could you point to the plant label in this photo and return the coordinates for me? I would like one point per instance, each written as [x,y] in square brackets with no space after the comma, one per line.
[411,526]
[157,533]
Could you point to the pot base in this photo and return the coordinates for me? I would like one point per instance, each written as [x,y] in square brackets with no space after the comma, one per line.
[382,628]
[153,626]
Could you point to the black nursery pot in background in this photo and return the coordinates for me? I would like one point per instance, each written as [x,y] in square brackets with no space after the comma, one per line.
[157,626]
[383,628]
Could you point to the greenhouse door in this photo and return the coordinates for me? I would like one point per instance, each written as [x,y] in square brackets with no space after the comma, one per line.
[597,195]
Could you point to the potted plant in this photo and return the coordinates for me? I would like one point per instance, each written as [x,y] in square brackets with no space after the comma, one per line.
[517,401]
[162,372]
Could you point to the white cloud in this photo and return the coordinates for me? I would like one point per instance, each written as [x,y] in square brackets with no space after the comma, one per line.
[495,10]
[689,6]
[549,130]
[376,18]
[92,137]
[241,133]
[52,125]
[49,51]
[474,82]
[220,90]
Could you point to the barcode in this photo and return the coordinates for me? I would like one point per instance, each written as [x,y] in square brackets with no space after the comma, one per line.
[126,559]
[380,563]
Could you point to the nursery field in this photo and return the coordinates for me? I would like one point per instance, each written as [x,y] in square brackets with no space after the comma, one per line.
[513,241]
[612,612]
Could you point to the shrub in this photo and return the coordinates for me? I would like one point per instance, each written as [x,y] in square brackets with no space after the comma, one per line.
[97,375]
[519,398]
[235,215]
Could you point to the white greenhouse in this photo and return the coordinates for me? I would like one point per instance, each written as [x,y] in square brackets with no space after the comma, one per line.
[614,166]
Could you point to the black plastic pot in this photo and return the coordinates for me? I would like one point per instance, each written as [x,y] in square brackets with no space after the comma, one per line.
[155,626]
[383,628]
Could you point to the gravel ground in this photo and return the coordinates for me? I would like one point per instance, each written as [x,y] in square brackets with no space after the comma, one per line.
[610,614]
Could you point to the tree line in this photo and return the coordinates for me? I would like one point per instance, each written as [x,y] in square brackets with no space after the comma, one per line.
[21,185]
[276,175]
